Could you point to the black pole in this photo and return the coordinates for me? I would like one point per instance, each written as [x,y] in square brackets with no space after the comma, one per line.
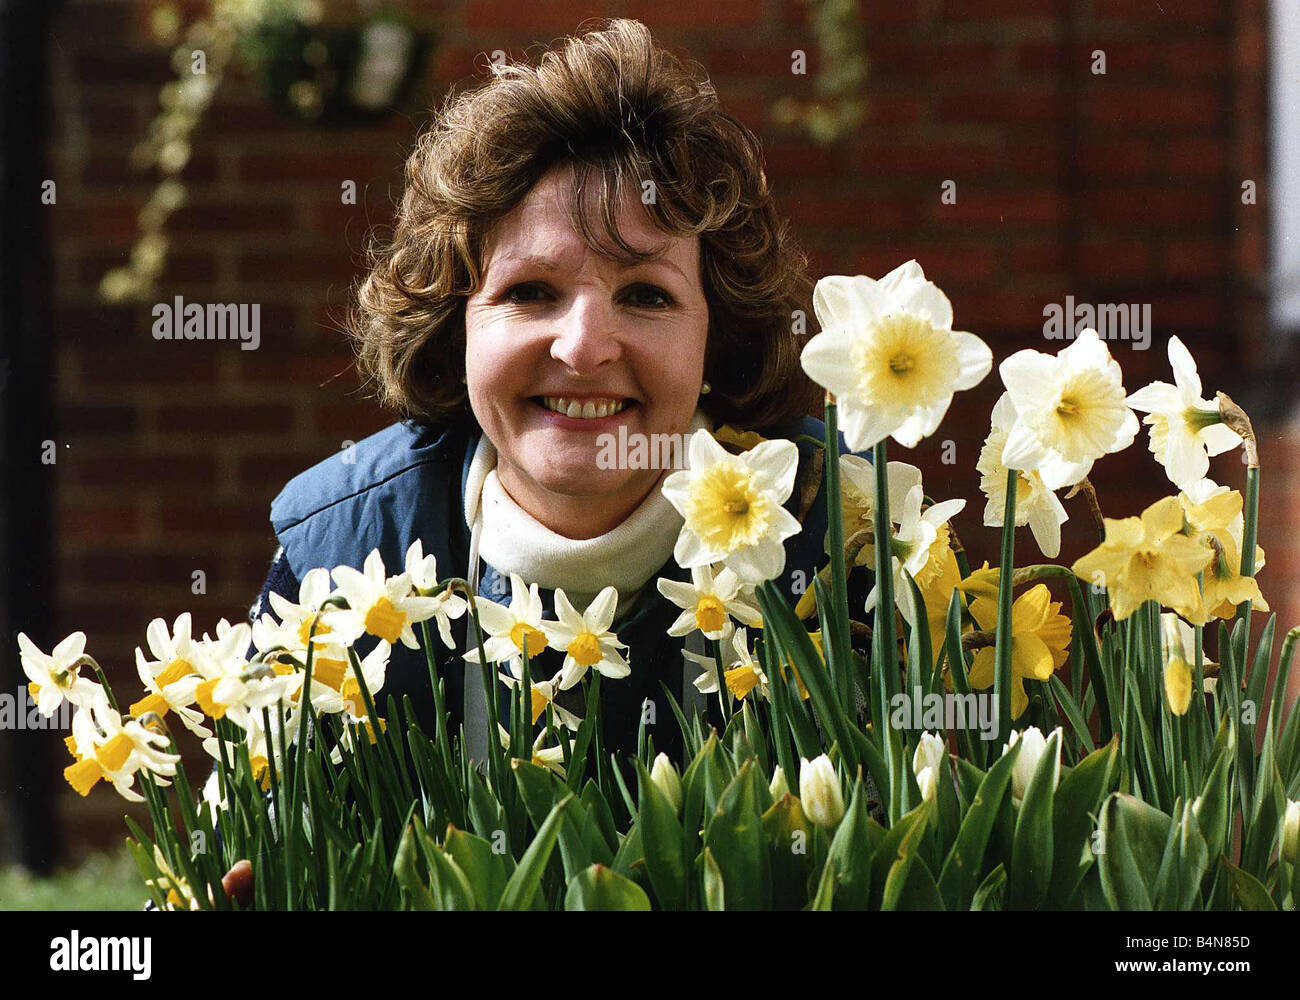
[28,766]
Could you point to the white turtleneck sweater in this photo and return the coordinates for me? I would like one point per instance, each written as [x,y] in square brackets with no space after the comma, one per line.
[511,540]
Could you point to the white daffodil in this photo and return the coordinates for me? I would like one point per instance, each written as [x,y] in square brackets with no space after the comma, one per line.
[1070,410]
[744,675]
[858,491]
[551,758]
[542,692]
[377,605]
[707,681]
[585,639]
[509,631]
[55,678]
[709,602]
[170,678]
[732,506]
[423,571]
[106,748]
[1185,429]
[1036,505]
[916,546]
[1035,745]
[820,793]
[298,620]
[334,684]
[231,686]
[264,746]
[177,892]
[888,352]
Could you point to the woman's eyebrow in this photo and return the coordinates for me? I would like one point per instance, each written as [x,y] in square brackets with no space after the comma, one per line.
[549,264]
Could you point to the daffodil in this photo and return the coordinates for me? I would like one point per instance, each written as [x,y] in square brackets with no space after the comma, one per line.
[335,686]
[542,693]
[857,499]
[1040,642]
[1036,505]
[106,748]
[423,571]
[510,630]
[732,507]
[551,758]
[1070,410]
[55,677]
[177,892]
[378,605]
[231,686]
[709,602]
[937,593]
[1214,515]
[170,678]
[1148,558]
[1185,429]
[297,621]
[264,745]
[888,352]
[917,548]
[585,639]
[744,675]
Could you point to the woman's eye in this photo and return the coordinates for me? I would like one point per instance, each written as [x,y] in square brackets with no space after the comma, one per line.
[650,296]
[524,292]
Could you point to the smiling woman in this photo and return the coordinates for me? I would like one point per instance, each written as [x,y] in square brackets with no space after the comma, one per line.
[587,249]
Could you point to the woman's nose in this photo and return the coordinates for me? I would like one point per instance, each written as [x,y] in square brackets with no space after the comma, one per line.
[586,337]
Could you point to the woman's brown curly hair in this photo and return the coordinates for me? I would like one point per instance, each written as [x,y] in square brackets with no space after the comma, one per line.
[612,104]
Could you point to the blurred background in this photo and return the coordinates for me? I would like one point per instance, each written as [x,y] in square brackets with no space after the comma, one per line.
[239,151]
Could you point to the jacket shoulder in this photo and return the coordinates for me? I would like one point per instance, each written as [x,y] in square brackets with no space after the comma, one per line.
[403,448]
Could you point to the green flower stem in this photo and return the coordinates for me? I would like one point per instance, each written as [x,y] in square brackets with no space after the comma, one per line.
[884,578]
[843,680]
[1002,645]
[439,700]
[1249,533]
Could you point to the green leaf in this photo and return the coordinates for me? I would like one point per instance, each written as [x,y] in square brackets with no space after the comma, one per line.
[890,848]
[1184,864]
[1213,808]
[790,837]
[909,884]
[1133,841]
[523,883]
[1247,890]
[852,849]
[1032,848]
[601,888]
[663,840]
[1077,799]
[408,875]
[487,870]
[714,891]
[737,844]
[990,894]
[824,898]
[961,870]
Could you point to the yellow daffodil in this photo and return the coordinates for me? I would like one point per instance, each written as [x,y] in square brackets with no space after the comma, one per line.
[106,748]
[744,676]
[1148,558]
[55,677]
[1185,429]
[1214,516]
[709,602]
[1070,410]
[510,630]
[888,352]
[423,571]
[937,592]
[232,687]
[378,605]
[732,507]
[1036,505]
[170,678]
[585,639]
[542,692]
[1040,642]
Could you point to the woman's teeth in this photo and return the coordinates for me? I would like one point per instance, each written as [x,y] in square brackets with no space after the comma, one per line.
[585,409]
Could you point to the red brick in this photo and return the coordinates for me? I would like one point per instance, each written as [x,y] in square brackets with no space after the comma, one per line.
[662,14]
[258,418]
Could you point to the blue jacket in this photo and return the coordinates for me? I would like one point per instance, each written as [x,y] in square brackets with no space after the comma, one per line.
[407,482]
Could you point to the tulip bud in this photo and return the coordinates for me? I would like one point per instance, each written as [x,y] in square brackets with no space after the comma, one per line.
[1030,754]
[1291,831]
[665,778]
[778,786]
[930,752]
[927,781]
[819,792]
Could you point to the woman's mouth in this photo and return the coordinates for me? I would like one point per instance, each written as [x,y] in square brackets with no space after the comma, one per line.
[584,408]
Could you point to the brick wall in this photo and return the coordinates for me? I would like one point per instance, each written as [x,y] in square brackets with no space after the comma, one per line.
[1121,187]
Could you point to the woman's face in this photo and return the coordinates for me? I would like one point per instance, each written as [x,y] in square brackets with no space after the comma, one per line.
[556,336]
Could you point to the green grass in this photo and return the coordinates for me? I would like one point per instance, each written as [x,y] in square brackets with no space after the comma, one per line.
[101,882]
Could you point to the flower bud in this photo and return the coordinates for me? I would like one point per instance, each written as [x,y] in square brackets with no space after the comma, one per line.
[778,786]
[1291,831]
[928,782]
[1178,685]
[665,778]
[819,792]
[930,752]
[1027,763]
